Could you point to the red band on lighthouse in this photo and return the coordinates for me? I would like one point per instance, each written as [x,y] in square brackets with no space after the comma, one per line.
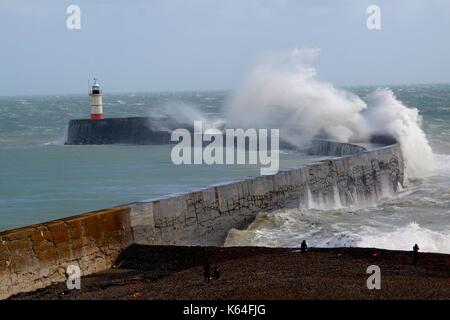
[97,116]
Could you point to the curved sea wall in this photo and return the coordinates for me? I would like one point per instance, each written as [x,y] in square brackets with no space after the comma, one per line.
[204,217]
[36,256]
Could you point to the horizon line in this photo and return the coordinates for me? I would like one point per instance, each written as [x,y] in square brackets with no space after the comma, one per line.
[214,90]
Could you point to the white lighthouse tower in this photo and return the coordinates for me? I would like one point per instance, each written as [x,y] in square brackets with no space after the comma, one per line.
[96,102]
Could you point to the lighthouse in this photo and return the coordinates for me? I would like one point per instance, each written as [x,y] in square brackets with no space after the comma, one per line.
[96,101]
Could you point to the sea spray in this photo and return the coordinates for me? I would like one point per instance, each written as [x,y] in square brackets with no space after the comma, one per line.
[185,113]
[61,140]
[283,91]
[337,228]
[403,238]
[388,115]
[288,94]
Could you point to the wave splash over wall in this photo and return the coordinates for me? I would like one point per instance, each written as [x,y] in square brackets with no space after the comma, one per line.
[337,228]
[283,91]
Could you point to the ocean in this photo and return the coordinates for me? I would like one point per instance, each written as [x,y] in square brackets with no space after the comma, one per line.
[42,179]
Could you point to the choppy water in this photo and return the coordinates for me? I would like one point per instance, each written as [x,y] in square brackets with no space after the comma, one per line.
[41,179]
[419,214]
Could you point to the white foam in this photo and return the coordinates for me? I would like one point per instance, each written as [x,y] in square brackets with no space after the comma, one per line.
[283,91]
[403,238]
[186,114]
[388,115]
[442,164]
[60,141]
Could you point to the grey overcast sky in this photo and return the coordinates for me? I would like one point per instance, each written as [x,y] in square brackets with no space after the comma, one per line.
[160,45]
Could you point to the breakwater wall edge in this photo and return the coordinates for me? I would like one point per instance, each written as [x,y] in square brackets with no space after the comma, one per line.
[36,256]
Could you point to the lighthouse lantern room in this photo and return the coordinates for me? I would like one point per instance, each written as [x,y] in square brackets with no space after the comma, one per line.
[96,101]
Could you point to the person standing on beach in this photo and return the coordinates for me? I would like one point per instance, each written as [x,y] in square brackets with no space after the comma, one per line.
[303,247]
[216,272]
[207,272]
[416,255]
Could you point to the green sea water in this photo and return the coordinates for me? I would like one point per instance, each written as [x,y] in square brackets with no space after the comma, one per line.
[42,179]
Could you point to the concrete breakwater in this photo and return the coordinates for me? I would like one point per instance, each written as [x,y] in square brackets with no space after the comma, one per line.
[36,256]
[134,130]
[157,131]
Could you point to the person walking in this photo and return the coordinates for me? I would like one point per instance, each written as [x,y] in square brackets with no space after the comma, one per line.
[207,272]
[216,272]
[416,255]
[303,247]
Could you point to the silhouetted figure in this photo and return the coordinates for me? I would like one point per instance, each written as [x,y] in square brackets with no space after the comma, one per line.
[216,272]
[207,272]
[303,247]
[416,255]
